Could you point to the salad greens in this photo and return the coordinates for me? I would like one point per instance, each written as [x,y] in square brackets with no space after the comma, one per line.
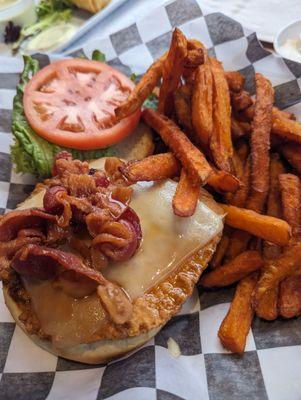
[49,13]
[30,152]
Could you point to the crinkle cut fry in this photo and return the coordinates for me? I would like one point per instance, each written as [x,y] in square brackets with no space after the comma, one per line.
[269,228]
[143,89]
[192,159]
[221,139]
[237,323]
[172,71]
[233,271]
[201,104]
[277,270]
[260,144]
[186,197]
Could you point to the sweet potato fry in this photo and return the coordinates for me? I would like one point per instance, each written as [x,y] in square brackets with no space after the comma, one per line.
[223,182]
[152,168]
[201,104]
[142,90]
[260,144]
[236,325]
[239,129]
[292,152]
[182,100]
[239,241]
[194,58]
[186,197]
[277,270]
[291,195]
[290,296]
[172,71]
[240,197]
[235,80]
[270,250]
[233,271]
[220,251]
[269,228]
[221,140]
[241,100]
[277,114]
[287,129]
[192,158]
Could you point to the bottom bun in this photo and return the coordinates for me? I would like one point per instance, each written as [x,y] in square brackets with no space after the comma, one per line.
[99,352]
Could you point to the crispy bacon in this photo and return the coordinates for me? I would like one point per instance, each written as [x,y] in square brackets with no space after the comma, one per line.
[73,276]
[15,221]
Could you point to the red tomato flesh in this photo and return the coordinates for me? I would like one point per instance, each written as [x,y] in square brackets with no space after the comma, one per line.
[71,103]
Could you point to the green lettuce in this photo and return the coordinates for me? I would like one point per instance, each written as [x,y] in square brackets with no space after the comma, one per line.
[31,153]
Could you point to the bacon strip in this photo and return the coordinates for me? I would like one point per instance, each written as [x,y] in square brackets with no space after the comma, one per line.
[45,263]
[14,221]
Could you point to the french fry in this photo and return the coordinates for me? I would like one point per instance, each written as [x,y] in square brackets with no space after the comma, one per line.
[240,197]
[260,144]
[191,157]
[142,90]
[233,271]
[277,114]
[277,270]
[152,168]
[269,228]
[186,196]
[290,296]
[241,100]
[290,288]
[235,80]
[194,58]
[172,71]
[201,104]
[239,241]
[236,325]
[287,129]
[221,140]
[220,251]
[292,152]
[182,100]
[223,181]
[239,129]
[291,194]
[270,250]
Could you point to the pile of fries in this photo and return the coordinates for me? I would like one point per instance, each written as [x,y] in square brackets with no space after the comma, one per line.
[248,153]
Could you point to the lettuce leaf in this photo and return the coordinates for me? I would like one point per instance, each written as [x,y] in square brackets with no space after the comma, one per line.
[31,153]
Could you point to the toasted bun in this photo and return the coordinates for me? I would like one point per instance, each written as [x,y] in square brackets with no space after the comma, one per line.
[98,352]
[173,290]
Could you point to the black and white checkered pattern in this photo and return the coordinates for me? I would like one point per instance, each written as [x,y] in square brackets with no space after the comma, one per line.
[271,366]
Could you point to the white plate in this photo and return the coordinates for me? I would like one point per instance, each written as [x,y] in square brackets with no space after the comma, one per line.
[265,17]
[90,21]
[85,22]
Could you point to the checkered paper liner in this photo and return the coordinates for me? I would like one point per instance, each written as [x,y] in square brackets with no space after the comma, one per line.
[271,366]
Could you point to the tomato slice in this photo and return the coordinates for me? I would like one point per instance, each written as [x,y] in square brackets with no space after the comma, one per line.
[71,103]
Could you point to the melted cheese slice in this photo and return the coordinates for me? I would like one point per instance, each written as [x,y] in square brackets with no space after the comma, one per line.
[167,241]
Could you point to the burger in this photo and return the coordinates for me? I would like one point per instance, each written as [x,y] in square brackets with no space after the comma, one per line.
[94,266]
